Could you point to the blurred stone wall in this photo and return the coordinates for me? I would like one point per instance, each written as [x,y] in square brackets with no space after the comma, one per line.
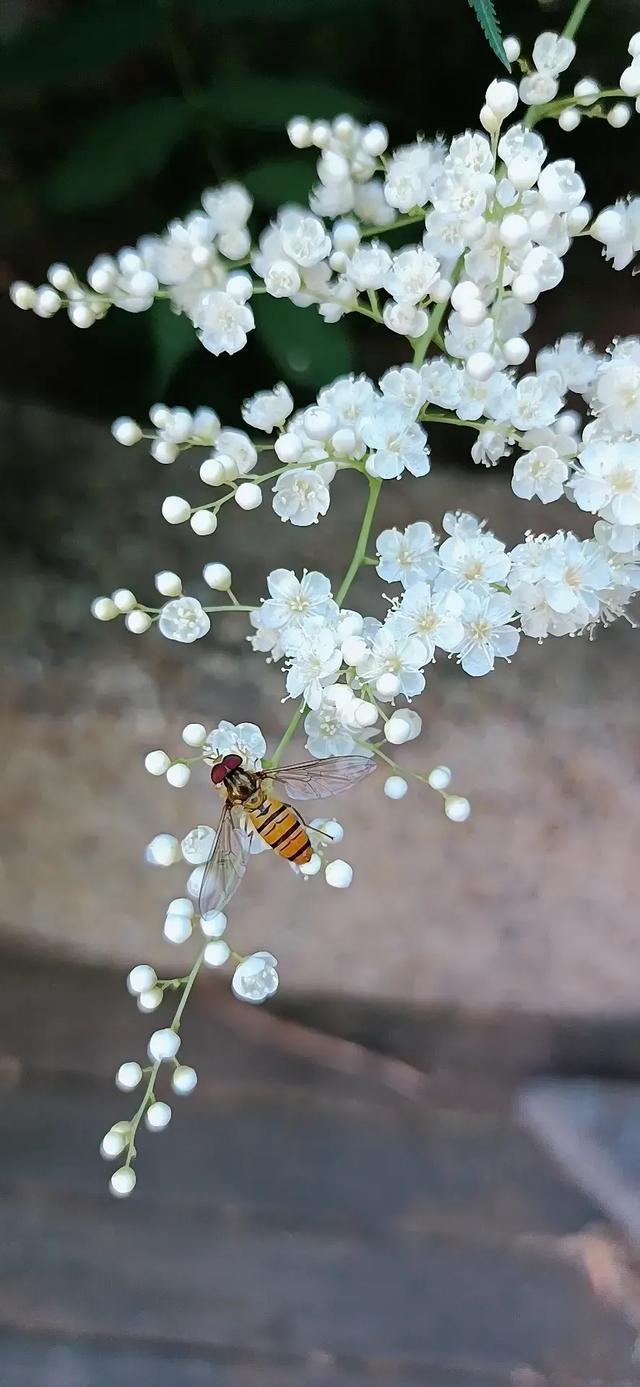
[532,903]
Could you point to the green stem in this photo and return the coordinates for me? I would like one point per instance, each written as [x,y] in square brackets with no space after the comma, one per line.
[575,18]
[360,550]
[421,344]
[287,735]
[175,1024]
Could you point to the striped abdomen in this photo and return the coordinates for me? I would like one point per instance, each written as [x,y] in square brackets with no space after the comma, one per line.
[281,828]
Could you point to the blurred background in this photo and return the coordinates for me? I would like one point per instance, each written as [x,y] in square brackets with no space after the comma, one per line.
[363,1147]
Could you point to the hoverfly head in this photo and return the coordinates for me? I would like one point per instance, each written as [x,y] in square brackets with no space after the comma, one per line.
[224,767]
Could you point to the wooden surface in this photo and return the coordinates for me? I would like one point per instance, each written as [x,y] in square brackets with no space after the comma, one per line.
[315,1215]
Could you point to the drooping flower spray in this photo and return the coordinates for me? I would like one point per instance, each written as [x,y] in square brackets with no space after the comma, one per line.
[487,220]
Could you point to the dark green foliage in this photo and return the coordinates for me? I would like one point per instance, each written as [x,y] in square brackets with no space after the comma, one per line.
[488,21]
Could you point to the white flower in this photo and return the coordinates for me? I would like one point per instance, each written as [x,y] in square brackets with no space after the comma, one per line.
[184,620]
[412,274]
[245,738]
[330,729]
[396,654]
[543,470]
[197,844]
[228,207]
[474,560]
[618,230]
[268,409]
[294,600]
[407,556]
[487,633]
[538,401]
[411,173]
[609,481]
[574,360]
[560,187]
[553,53]
[221,322]
[441,382]
[256,978]
[315,659]
[304,238]
[574,571]
[432,616]
[396,442]
[348,399]
[404,384]
[301,496]
[369,266]
[617,388]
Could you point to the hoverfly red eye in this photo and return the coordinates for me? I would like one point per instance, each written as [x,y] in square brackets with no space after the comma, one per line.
[231,763]
[218,773]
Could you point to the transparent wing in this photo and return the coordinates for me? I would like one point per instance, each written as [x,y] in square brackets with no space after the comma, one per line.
[226,865]
[319,779]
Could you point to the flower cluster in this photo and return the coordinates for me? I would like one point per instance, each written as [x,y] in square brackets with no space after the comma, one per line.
[481,226]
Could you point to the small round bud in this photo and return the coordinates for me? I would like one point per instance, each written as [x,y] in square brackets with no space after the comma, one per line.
[464,292]
[178,776]
[129,1075]
[112,1145]
[480,365]
[126,431]
[157,1116]
[141,978]
[194,734]
[633,46]
[568,422]
[570,119]
[299,132]
[516,350]
[375,140]
[216,953]
[472,313]
[578,218]
[23,295]
[388,685]
[168,584]
[124,599]
[248,496]
[287,448]
[526,288]
[137,622]
[163,850]
[213,924]
[212,471]
[364,714]
[180,906]
[217,576]
[151,1000]
[338,874]
[439,778]
[163,451]
[157,762]
[586,91]
[312,867]
[523,172]
[512,48]
[489,120]
[395,787]
[61,278]
[175,510]
[514,229]
[354,649]
[80,315]
[103,609]
[502,97]
[630,80]
[319,424]
[203,522]
[457,808]
[163,1045]
[333,829]
[47,302]
[619,115]
[122,1182]
[320,133]
[184,1079]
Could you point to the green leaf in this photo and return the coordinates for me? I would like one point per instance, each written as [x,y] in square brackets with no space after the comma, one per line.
[276,181]
[77,45]
[267,103]
[307,350]
[174,339]
[127,146]
[488,20]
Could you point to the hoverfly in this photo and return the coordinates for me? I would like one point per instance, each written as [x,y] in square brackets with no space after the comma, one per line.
[281,826]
